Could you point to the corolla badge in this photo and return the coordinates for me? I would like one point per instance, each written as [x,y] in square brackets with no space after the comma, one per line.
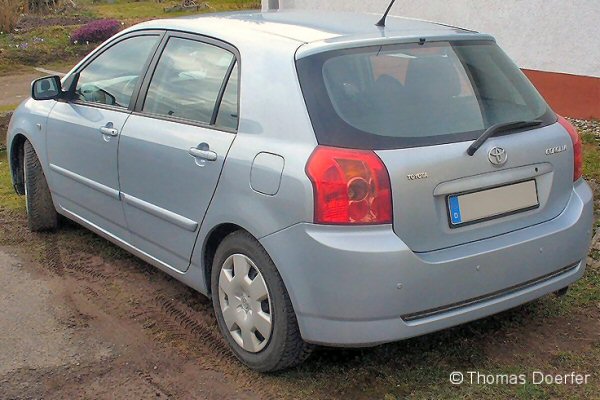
[556,149]
[497,156]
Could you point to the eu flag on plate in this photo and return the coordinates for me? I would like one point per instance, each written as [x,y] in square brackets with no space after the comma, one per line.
[454,205]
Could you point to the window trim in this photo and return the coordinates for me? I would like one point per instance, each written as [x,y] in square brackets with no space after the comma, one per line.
[143,92]
[224,84]
[160,34]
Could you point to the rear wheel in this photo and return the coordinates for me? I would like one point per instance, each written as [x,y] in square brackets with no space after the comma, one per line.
[41,214]
[253,309]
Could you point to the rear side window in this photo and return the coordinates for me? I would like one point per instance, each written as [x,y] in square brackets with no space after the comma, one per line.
[411,95]
[189,80]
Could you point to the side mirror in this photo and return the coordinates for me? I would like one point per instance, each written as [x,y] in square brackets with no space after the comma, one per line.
[47,88]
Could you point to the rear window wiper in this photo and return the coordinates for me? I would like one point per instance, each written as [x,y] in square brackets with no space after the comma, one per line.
[492,130]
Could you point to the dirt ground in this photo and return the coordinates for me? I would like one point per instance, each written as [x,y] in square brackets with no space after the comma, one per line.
[76,326]
[16,88]
[30,22]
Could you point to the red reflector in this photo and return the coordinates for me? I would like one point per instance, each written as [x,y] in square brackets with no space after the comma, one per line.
[577,148]
[350,186]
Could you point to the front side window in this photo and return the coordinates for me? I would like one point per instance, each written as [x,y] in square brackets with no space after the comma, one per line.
[408,95]
[111,77]
[188,81]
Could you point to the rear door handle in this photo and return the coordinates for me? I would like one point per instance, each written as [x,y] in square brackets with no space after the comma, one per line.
[109,131]
[208,155]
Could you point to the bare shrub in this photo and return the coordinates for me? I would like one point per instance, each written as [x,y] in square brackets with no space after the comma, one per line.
[36,6]
[9,14]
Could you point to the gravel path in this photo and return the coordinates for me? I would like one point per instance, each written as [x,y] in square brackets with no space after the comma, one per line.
[586,126]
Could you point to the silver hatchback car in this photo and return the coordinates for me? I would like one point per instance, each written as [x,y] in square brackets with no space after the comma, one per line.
[323,179]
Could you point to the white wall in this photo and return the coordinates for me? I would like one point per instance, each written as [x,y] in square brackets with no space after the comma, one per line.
[546,35]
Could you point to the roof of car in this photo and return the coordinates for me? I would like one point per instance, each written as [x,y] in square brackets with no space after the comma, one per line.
[318,28]
[308,26]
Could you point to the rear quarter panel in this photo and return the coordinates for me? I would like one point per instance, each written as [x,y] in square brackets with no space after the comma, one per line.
[273,119]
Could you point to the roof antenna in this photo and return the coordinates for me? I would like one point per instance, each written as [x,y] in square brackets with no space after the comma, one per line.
[381,22]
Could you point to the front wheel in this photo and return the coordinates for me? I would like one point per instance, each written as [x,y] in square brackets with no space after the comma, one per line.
[253,309]
[41,214]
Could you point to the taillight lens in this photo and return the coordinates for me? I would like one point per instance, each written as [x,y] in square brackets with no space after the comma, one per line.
[350,186]
[577,148]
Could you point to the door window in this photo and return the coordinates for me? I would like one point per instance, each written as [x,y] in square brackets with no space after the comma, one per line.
[112,76]
[188,82]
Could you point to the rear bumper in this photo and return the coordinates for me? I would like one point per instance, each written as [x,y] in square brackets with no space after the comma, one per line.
[363,286]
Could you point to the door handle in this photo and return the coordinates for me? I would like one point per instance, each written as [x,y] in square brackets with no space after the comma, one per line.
[105,130]
[208,155]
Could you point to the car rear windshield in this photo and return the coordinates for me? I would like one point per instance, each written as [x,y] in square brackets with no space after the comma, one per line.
[410,95]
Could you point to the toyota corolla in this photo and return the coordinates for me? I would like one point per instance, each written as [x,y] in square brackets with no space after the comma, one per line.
[325,180]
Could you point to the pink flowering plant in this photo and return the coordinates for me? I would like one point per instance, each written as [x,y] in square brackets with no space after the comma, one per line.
[96,31]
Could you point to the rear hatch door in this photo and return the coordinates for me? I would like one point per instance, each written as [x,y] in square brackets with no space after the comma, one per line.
[419,106]
[532,186]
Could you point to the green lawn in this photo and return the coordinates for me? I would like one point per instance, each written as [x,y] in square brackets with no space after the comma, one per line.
[127,10]
[591,155]
[7,108]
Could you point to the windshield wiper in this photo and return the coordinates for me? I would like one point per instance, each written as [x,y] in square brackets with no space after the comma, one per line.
[492,130]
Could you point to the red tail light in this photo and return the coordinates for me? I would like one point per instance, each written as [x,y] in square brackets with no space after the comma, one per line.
[577,148]
[350,186]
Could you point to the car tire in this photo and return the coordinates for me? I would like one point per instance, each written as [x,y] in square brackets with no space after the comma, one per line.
[284,347]
[41,214]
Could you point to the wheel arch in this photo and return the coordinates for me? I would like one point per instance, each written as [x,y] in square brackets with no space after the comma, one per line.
[211,243]
[16,158]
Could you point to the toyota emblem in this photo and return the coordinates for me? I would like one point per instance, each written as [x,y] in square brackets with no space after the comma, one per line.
[497,156]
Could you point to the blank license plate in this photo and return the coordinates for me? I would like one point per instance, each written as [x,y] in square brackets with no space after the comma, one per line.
[492,203]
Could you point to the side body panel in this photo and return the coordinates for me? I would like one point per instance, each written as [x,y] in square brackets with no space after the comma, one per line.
[273,119]
[83,164]
[28,120]
[166,190]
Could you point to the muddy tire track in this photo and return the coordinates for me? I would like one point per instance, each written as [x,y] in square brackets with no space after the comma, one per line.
[202,327]
[157,386]
[52,259]
[160,306]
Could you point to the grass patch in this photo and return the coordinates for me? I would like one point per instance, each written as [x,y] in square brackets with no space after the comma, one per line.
[8,198]
[7,108]
[591,154]
[39,46]
[591,160]
[128,10]
[8,68]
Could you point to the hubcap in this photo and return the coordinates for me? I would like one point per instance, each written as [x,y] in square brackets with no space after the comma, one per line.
[245,303]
